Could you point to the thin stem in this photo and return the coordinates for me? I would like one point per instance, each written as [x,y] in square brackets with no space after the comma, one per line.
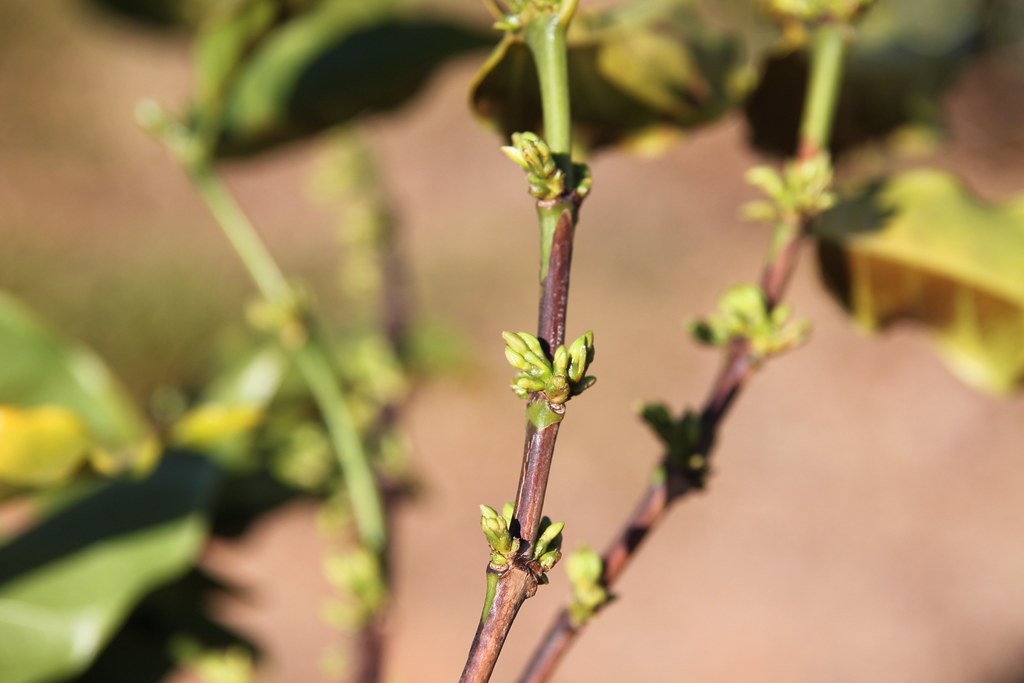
[236,226]
[506,594]
[309,357]
[823,89]
[360,481]
[546,37]
[671,482]
[518,580]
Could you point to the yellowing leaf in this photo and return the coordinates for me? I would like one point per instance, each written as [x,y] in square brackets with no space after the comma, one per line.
[211,424]
[41,446]
[920,247]
[636,73]
[40,368]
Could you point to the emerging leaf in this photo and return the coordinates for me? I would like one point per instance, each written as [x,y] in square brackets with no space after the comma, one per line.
[920,247]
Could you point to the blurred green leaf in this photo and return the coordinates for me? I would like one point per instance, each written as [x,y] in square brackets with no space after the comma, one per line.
[41,369]
[167,628]
[267,76]
[638,74]
[67,584]
[920,247]
[904,56]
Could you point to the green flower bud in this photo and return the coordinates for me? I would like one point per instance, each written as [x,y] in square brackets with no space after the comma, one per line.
[532,343]
[496,531]
[507,510]
[536,154]
[538,365]
[516,342]
[529,383]
[557,389]
[550,535]
[585,569]
[549,559]
[516,360]
[581,353]
[584,566]
[766,179]
[516,156]
[560,365]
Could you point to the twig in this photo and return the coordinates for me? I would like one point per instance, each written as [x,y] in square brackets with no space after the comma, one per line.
[510,585]
[675,480]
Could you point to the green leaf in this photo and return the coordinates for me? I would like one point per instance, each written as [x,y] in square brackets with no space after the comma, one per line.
[267,77]
[637,75]
[67,584]
[41,369]
[920,247]
[168,628]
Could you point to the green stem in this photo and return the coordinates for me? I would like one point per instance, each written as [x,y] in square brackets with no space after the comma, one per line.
[360,481]
[823,89]
[243,238]
[547,218]
[492,589]
[310,359]
[545,36]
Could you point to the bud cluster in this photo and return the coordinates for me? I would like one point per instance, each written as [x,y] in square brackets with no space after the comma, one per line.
[800,192]
[585,568]
[533,155]
[744,315]
[546,551]
[558,378]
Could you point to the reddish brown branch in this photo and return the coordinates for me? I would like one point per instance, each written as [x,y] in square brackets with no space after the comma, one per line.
[519,582]
[554,291]
[533,480]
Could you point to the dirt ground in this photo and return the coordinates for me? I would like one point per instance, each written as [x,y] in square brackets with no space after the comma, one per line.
[866,510]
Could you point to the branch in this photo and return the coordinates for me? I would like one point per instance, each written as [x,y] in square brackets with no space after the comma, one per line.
[554,183]
[675,478]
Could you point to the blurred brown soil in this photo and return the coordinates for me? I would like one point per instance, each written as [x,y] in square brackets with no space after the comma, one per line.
[865,516]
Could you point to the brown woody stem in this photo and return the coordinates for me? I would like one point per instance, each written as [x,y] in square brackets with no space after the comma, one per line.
[519,581]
